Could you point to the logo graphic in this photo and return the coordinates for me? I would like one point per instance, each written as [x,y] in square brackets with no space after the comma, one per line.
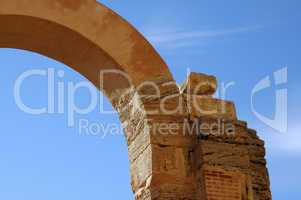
[279,122]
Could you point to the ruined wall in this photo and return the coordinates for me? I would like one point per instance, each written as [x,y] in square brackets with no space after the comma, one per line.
[194,148]
[183,144]
[230,158]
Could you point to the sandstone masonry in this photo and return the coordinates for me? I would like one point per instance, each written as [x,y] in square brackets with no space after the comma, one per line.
[195,153]
[183,144]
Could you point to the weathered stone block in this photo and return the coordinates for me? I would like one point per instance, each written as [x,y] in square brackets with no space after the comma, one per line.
[221,184]
[199,84]
[169,160]
[137,146]
[202,107]
[170,131]
[172,105]
[141,169]
[223,154]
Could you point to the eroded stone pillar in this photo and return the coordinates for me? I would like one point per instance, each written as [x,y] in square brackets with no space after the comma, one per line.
[193,147]
[229,157]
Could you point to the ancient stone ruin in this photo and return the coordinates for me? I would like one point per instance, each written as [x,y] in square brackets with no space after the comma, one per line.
[183,144]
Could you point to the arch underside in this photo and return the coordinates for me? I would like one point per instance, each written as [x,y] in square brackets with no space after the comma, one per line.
[91,39]
[64,45]
[86,36]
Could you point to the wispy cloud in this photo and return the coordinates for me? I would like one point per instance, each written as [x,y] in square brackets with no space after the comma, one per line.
[180,39]
[289,142]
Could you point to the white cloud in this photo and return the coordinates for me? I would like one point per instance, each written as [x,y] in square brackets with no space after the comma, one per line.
[289,142]
[180,39]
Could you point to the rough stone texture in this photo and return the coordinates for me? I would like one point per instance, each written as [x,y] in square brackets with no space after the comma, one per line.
[199,84]
[208,107]
[222,184]
[183,144]
[242,152]
[199,156]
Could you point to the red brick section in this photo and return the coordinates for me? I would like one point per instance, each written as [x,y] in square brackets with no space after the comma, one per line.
[222,185]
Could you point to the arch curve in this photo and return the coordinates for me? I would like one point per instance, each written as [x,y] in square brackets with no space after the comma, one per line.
[90,38]
[84,35]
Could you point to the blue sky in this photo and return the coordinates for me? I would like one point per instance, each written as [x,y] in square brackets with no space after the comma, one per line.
[237,41]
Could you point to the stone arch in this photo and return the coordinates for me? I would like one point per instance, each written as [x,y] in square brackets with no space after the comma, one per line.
[91,38]
[83,34]
[86,36]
